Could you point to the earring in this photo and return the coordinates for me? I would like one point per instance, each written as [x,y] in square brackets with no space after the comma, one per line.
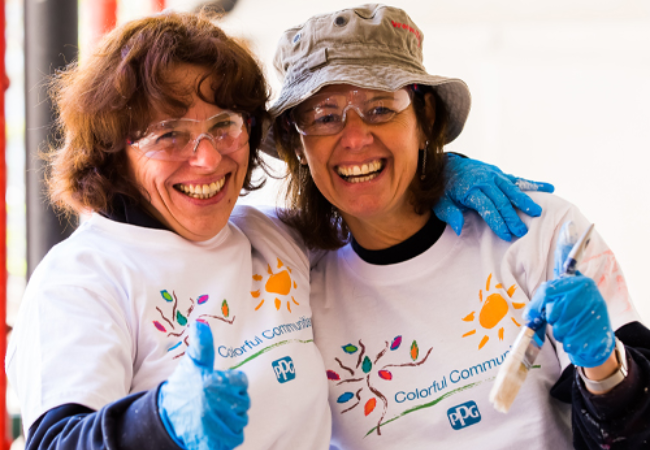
[303,174]
[423,152]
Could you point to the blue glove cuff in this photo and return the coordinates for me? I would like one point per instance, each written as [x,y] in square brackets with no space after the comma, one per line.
[165,420]
[614,379]
[595,360]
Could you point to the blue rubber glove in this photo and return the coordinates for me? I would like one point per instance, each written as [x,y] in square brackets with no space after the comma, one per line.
[203,408]
[576,310]
[472,184]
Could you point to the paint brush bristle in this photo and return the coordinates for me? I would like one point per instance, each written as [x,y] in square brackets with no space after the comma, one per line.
[514,370]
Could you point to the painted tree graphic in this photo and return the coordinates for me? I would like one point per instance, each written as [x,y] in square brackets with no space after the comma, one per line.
[179,322]
[362,372]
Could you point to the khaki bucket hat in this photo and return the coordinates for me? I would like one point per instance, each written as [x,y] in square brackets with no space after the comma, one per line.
[371,46]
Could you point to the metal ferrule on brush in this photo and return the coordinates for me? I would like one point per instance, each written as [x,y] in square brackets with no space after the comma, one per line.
[522,349]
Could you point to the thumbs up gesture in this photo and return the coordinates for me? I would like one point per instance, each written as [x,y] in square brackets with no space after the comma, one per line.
[203,408]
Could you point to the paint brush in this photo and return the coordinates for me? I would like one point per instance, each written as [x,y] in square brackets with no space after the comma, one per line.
[529,341]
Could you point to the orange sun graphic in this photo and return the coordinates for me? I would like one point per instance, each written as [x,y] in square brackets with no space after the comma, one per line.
[494,310]
[278,283]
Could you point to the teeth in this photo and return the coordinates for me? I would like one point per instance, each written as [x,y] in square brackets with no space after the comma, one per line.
[363,179]
[202,191]
[364,169]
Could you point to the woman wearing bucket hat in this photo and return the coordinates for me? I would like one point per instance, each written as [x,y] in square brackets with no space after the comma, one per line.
[413,320]
[139,331]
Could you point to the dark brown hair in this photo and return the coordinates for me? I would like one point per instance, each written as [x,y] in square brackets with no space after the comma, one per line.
[318,221]
[110,98]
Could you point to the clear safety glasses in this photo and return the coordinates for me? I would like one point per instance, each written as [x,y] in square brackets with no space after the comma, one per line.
[178,139]
[325,114]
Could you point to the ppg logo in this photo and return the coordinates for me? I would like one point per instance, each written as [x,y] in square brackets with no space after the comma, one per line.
[284,370]
[464,415]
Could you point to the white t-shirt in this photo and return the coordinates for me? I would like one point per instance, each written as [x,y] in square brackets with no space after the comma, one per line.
[107,311]
[412,349]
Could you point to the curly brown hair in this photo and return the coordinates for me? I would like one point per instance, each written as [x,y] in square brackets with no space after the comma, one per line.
[318,221]
[110,97]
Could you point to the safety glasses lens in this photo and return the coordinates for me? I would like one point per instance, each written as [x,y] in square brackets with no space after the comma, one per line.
[325,114]
[177,139]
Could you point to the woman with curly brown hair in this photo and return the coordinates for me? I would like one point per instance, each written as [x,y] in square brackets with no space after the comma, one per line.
[160,130]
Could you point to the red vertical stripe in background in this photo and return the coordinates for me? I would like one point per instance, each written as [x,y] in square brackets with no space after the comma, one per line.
[102,17]
[157,5]
[5,438]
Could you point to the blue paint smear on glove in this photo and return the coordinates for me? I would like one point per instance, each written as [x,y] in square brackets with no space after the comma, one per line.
[472,184]
[203,408]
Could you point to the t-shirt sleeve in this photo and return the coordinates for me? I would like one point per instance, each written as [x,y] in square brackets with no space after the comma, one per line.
[599,263]
[70,344]
[131,423]
[241,217]
[264,228]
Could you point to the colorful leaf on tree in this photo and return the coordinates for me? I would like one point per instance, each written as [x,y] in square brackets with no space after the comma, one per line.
[345,397]
[202,299]
[385,375]
[159,326]
[367,365]
[167,296]
[415,351]
[350,349]
[396,343]
[331,375]
[225,310]
[370,406]
[181,319]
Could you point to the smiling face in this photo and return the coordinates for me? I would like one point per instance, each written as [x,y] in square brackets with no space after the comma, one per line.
[195,197]
[365,171]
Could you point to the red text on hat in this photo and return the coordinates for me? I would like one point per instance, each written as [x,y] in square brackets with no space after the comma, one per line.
[405,26]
